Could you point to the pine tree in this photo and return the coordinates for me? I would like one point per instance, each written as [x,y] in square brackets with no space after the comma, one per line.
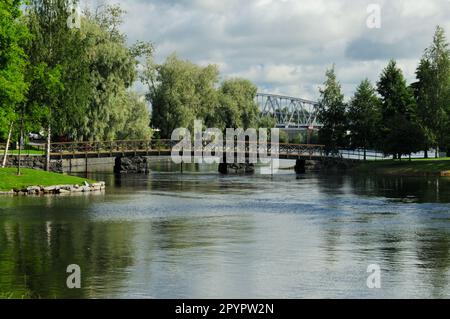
[332,114]
[364,117]
[400,131]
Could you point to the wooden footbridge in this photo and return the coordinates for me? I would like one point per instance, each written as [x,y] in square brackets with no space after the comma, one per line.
[156,148]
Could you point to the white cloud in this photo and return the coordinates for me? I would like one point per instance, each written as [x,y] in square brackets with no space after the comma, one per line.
[285,46]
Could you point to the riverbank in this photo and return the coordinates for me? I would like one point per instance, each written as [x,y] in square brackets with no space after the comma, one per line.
[32,182]
[415,167]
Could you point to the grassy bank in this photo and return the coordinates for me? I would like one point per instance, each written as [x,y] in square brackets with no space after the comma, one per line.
[415,167]
[24,152]
[30,177]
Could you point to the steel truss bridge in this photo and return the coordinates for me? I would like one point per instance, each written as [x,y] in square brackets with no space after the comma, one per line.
[289,112]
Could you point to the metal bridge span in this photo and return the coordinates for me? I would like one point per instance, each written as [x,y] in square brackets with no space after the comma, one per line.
[290,113]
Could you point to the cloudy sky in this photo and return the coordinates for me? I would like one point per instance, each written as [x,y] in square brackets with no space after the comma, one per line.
[285,46]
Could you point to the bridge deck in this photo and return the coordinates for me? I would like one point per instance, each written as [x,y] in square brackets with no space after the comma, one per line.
[162,152]
[164,148]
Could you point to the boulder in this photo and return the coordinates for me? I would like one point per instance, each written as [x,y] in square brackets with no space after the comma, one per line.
[445,173]
[49,189]
[32,190]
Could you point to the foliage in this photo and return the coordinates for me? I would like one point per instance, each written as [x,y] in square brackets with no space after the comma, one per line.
[136,118]
[237,106]
[415,167]
[332,114]
[298,139]
[181,92]
[80,77]
[283,137]
[400,132]
[112,70]
[13,61]
[364,117]
[59,53]
[432,90]
[266,122]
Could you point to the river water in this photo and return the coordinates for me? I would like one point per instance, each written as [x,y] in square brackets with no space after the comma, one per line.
[202,235]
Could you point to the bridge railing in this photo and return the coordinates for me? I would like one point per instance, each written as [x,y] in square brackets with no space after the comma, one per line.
[117,146]
[103,148]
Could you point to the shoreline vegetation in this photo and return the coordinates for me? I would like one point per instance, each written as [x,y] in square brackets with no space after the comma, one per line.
[415,167]
[36,182]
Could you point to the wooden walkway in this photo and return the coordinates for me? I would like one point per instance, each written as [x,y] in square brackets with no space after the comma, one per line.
[156,148]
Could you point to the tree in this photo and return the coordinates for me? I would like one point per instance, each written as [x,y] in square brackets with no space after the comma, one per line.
[432,91]
[180,92]
[112,68]
[95,68]
[13,62]
[400,131]
[208,95]
[56,49]
[237,106]
[267,121]
[364,117]
[332,114]
[136,118]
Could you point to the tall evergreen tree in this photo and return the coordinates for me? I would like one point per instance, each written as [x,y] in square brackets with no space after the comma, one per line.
[364,117]
[332,114]
[400,131]
[432,90]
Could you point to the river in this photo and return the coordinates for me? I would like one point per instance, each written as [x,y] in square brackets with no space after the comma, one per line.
[202,235]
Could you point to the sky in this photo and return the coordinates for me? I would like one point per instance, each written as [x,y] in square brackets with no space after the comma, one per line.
[285,46]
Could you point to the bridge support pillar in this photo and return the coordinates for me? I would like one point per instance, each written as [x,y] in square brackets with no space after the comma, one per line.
[223,168]
[134,164]
[300,166]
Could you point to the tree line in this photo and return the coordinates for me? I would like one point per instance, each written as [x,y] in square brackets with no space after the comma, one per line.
[73,83]
[181,92]
[392,117]
[77,84]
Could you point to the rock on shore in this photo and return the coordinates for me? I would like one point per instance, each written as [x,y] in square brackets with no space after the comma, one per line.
[57,189]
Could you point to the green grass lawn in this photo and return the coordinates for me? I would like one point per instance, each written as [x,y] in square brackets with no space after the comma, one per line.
[24,152]
[30,177]
[406,167]
[27,150]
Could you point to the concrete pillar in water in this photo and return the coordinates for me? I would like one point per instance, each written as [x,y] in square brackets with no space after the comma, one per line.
[118,164]
[300,166]
[223,168]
